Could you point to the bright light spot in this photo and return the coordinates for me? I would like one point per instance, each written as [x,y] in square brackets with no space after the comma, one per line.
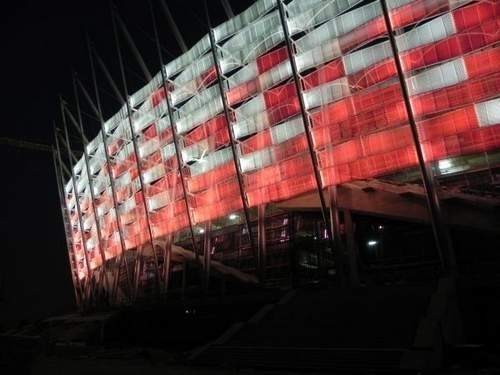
[372,243]
[445,164]
[233,217]
[201,230]
[380,227]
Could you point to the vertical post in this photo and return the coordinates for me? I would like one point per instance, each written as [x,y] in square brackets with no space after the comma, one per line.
[207,247]
[167,258]
[305,118]
[335,228]
[261,239]
[351,249]
[79,213]
[69,241]
[79,126]
[227,116]
[98,229]
[98,109]
[175,136]
[136,152]
[184,277]
[443,242]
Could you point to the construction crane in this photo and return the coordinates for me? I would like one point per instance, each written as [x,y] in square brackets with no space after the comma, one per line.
[25,144]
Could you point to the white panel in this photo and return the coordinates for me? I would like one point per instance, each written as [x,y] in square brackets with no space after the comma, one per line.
[256,160]
[93,144]
[211,161]
[153,174]
[287,130]
[200,99]
[488,113]
[162,124]
[326,93]
[245,74]
[194,70]
[78,167]
[142,94]
[147,148]
[318,55]
[125,151]
[174,66]
[250,125]
[340,25]
[160,200]
[91,243]
[184,91]
[443,75]
[100,184]
[168,151]
[118,117]
[126,206]
[199,116]
[195,151]
[275,75]
[364,58]
[104,208]
[123,180]
[432,31]
[253,106]
[312,16]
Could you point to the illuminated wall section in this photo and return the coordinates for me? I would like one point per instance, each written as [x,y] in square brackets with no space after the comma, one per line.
[451,58]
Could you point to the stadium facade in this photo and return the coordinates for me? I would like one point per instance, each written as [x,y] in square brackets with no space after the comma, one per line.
[233,150]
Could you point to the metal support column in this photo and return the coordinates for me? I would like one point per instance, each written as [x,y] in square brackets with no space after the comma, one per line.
[351,249]
[261,240]
[167,260]
[67,223]
[136,151]
[338,255]
[207,248]
[227,116]
[175,136]
[441,235]
[66,135]
[305,118]
[79,126]
[79,213]
[98,110]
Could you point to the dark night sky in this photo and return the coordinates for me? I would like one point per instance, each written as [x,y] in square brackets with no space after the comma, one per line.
[41,42]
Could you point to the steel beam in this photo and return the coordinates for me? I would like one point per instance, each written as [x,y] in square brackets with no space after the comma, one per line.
[175,136]
[98,110]
[80,221]
[261,239]
[67,224]
[79,126]
[441,235]
[134,48]
[136,151]
[305,120]
[173,26]
[232,140]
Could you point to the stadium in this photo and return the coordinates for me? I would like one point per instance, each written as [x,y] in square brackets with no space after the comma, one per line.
[296,142]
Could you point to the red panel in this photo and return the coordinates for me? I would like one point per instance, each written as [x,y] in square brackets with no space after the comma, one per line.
[483,63]
[205,130]
[202,181]
[326,73]
[475,14]
[282,190]
[271,59]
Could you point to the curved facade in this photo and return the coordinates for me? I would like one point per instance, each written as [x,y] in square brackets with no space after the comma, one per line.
[267,139]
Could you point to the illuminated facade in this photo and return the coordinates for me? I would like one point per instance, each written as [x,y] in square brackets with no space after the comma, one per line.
[274,135]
